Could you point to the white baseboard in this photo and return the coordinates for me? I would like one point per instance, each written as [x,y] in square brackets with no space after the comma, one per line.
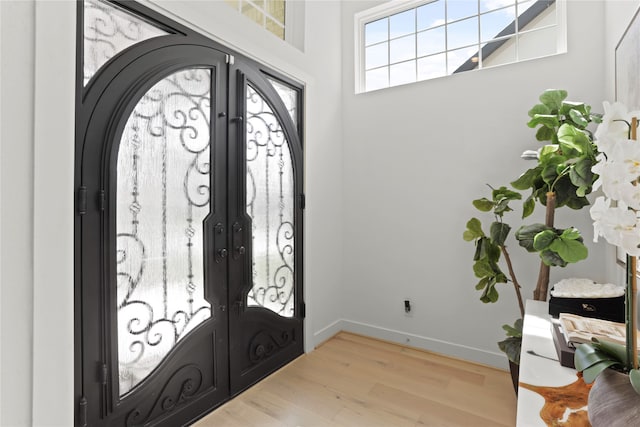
[495,359]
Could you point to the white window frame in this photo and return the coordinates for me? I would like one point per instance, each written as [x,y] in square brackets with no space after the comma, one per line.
[393,7]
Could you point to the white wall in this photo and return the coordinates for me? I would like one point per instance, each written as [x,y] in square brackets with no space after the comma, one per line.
[16,211]
[36,197]
[415,157]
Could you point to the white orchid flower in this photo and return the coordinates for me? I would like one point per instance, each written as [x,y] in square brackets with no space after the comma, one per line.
[618,225]
[615,121]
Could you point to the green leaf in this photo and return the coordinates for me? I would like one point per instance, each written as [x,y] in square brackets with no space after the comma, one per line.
[580,173]
[544,133]
[504,193]
[569,250]
[499,232]
[490,294]
[590,374]
[567,106]
[577,203]
[547,120]
[547,152]
[570,234]
[482,283]
[549,174]
[527,233]
[552,259]
[578,118]
[552,98]
[502,207]
[512,347]
[587,355]
[613,349]
[542,240]
[492,251]
[528,206]
[484,204]
[475,228]
[527,179]
[539,109]
[482,268]
[573,141]
[515,330]
[634,378]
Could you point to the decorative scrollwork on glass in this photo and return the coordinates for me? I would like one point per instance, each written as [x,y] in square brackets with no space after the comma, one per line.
[270,204]
[163,194]
[183,385]
[109,30]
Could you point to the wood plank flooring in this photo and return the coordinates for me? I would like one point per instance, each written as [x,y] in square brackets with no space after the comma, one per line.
[351,380]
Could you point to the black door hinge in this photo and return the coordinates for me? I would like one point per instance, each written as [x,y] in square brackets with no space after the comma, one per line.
[82,412]
[303,309]
[101,200]
[303,201]
[82,200]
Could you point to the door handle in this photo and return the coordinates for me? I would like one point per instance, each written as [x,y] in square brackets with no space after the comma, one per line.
[238,247]
[219,242]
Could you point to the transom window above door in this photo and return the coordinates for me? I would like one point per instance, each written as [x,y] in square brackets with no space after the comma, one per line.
[403,42]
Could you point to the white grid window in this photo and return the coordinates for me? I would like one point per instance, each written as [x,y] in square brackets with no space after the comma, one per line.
[407,41]
[269,14]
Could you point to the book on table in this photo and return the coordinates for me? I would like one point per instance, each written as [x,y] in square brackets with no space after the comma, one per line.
[579,329]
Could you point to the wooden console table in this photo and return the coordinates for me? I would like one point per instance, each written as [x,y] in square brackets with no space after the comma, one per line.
[547,391]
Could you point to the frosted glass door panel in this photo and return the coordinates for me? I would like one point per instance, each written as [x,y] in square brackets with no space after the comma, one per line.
[289,97]
[109,30]
[270,204]
[163,195]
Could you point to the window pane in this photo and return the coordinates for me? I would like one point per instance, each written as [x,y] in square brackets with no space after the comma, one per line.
[377,79]
[488,5]
[253,13]
[402,24]
[402,49]
[432,41]
[462,33]
[491,24]
[108,31]
[544,18]
[376,31]
[523,5]
[270,204]
[537,43]
[432,66]
[455,58]
[275,28]
[275,8]
[431,15]
[458,9]
[163,194]
[377,56]
[499,52]
[402,73]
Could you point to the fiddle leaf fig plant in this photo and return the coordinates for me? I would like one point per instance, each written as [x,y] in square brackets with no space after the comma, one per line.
[561,176]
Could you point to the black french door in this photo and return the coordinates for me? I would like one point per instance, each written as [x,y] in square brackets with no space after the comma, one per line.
[189,220]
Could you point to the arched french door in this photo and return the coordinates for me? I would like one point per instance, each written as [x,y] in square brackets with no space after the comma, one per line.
[189,220]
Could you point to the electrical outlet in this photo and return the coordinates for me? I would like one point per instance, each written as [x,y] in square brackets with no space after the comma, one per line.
[408,307]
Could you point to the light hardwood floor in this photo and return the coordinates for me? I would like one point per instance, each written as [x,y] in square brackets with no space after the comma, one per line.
[352,380]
